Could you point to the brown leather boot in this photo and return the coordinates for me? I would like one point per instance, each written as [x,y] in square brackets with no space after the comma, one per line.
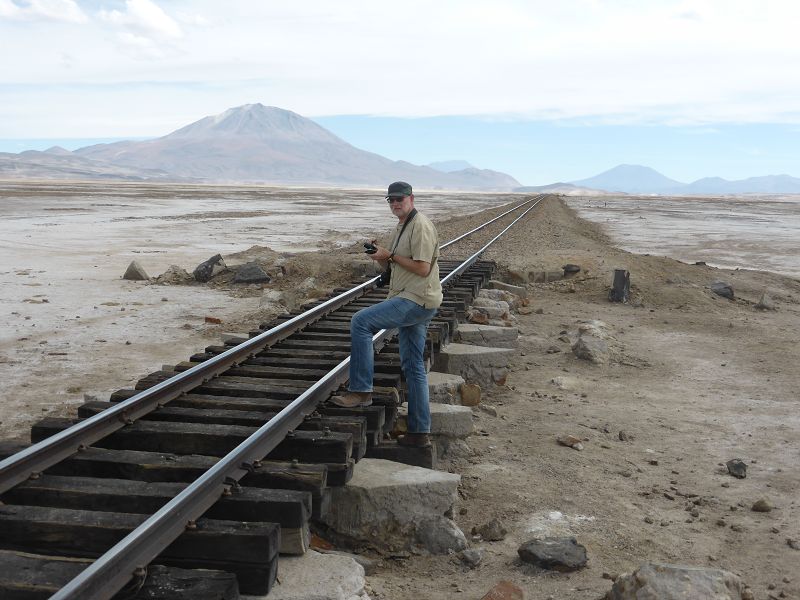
[415,440]
[352,399]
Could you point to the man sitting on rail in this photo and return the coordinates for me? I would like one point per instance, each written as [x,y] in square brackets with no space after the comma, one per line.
[415,293]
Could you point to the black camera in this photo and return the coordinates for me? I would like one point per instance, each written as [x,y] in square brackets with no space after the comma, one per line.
[386,276]
[370,248]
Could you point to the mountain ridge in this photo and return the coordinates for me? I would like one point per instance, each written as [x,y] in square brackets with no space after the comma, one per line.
[254,143]
[639,179]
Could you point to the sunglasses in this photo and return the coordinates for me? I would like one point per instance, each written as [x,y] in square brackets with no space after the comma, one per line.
[397,199]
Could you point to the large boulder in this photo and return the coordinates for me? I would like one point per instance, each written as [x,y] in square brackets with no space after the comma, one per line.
[392,506]
[722,288]
[559,554]
[210,268]
[676,582]
[316,576]
[251,273]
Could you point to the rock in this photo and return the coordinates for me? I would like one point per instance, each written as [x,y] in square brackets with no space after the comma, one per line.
[443,388]
[476,364]
[560,554]
[539,311]
[504,590]
[493,531]
[316,576]
[570,441]
[213,320]
[676,582]
[448,448]
[251,273]
[525,310]
[762,505]
[517,290]
[487,335]
[174,275]
[210,268]
[793,544]
[446,419]
[392,506]
[471,557]
[765,302]
[470,394]
[592,349]
[570,269]
[135,272]
[494,309]
[737,468]
[721,288]
[477,317]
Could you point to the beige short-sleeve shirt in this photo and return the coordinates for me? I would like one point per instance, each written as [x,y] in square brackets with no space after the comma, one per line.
[419,241]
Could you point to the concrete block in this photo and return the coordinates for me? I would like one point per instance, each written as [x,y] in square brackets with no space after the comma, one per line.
[487,335]
[316,576]
[443,388]
[518,290]
[391,506]
[446,419]
[476,364]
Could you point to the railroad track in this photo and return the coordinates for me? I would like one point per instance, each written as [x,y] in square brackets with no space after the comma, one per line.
[155,472]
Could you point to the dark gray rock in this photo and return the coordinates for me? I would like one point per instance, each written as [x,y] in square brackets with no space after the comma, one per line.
[676,582]
[135,272]
[570,269]
[721,288]
[208,269]
[251,273]
[737,468]
[560,554]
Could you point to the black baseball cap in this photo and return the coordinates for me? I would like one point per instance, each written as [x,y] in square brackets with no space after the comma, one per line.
[399,188]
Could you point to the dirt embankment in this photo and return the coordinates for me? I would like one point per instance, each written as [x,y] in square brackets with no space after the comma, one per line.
[694,381]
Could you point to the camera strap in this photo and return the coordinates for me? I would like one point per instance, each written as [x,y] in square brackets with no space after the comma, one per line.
[408,220]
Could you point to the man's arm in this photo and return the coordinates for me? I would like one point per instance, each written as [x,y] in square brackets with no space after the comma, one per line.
[418,267]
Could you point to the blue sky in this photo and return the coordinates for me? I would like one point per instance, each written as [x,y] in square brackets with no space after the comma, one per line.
[544,91]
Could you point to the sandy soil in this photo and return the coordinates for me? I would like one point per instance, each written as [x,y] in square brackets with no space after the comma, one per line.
[695,381]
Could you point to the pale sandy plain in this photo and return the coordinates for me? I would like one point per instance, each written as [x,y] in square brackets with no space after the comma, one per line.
[694,381]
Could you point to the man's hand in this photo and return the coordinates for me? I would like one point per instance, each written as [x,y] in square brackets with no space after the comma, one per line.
[381,254]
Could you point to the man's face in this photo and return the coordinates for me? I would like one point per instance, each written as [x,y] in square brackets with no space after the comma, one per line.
[401,205]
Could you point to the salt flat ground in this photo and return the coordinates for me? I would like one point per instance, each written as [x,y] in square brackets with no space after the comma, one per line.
[69,324]
[752,232]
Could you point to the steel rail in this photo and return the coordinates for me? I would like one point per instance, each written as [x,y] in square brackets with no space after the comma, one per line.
[111,571]
[479,227]
[471,260]
[21,466]
[38,457]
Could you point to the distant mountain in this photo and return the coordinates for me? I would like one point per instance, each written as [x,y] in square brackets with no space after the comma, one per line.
[264,144]
[635,179]
[769,184]
[53,164]
[630,179]
[448,166]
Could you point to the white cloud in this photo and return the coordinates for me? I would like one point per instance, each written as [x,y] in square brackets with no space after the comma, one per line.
[66,11]
[145,19]
[677,62]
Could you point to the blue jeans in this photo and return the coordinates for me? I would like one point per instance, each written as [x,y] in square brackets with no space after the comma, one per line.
[412,321]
